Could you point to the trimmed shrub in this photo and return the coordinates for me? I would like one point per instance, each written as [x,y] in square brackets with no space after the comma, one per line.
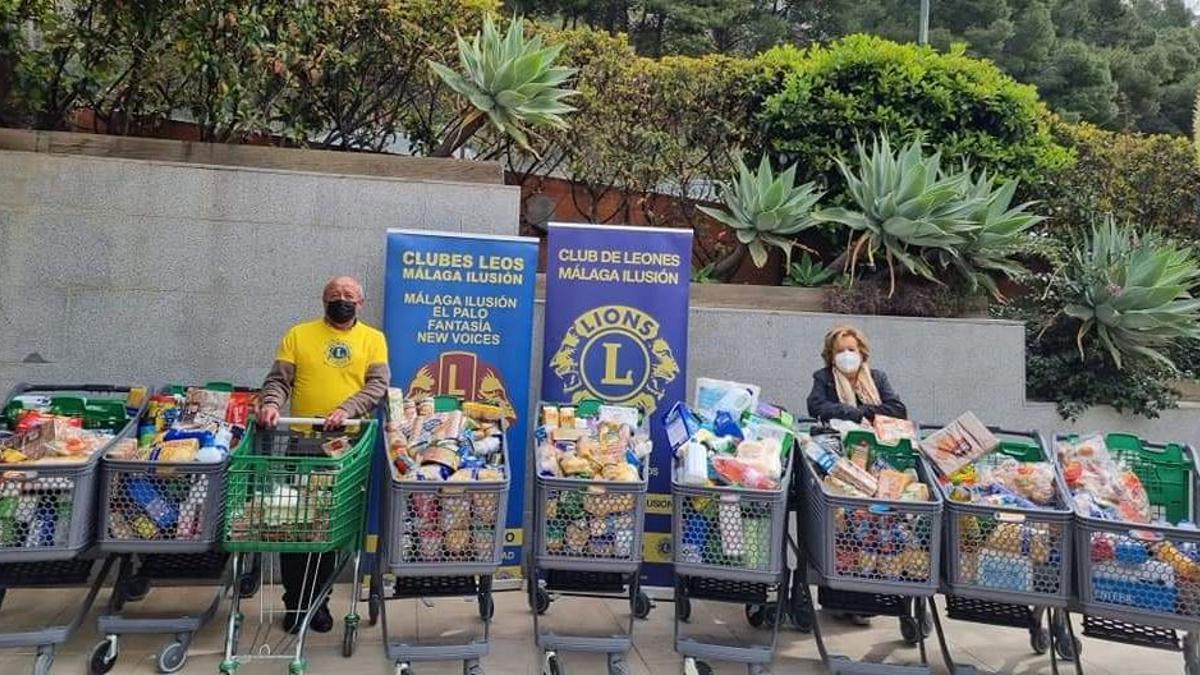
[830,96]
[1148,180]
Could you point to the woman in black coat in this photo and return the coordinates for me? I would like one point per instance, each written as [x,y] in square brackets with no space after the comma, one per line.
[847,388]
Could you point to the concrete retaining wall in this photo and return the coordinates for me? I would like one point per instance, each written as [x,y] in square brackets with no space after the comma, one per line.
[117,270]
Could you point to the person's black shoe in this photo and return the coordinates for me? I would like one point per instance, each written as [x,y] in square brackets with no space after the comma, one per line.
[322,620]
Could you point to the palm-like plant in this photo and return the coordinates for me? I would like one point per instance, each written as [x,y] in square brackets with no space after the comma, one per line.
[511,81]
[1133,291]
[906,207]
[1001,231]
[764,209]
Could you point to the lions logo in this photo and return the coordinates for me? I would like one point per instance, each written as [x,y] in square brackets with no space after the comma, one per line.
[615,353]
[462,374]
[337,354]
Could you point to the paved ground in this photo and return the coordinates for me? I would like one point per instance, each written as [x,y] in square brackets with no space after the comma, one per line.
[1000,650]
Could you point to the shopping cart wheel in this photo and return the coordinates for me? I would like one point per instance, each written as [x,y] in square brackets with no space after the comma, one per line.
[1039,640]
[912,631]
[250,582]
[756,669]
[102,660]
[683,608]
[373,609]
[641,605]
[542,601]
[172,656]
[550,664]
[1191,653]
[1065,645]
[755,615]
[349,638]
[695,667]
[137,588]
[44,661]
[617,665]
[472,667]
[487,606]
[403,668]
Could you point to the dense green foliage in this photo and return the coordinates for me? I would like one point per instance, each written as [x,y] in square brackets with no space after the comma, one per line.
[1123,64]
[833,95]
[1145,179]
[339,73]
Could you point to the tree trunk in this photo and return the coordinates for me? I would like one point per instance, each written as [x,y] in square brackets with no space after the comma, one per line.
[459,136]
[725,267]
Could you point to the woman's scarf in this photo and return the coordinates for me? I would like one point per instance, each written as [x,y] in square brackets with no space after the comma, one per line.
[861,391]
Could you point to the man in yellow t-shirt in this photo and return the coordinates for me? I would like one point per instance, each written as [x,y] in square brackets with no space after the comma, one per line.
[335,368]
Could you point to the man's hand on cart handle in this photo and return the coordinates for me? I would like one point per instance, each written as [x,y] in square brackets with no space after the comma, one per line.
[320,421]
[268,415]
[336,419]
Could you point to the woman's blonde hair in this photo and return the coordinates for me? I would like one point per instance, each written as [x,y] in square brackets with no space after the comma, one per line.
[839,332]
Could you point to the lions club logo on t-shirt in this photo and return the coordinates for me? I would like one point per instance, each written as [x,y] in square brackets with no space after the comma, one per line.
[337,354]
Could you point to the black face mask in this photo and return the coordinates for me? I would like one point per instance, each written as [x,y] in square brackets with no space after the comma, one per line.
[339,311]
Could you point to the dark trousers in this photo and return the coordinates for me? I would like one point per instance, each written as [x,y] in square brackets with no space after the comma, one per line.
[303,576]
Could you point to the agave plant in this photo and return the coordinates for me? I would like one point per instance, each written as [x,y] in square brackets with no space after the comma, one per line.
[511,81]
[1001,231]
[1133,291]
[907,207]
[808,273]
[764,209]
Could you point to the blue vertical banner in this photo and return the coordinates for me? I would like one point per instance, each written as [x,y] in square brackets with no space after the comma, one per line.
[458,314]
[617,330]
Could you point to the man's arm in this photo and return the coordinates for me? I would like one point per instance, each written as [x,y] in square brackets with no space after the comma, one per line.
[276,390]
[375,387]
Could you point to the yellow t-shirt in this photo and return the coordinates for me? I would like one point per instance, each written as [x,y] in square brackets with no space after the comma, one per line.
[331,364]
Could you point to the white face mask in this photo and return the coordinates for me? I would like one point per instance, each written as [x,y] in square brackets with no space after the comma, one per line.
[848,362]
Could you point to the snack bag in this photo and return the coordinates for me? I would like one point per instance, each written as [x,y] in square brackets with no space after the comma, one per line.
[891,430]
[762,455]
[958,444]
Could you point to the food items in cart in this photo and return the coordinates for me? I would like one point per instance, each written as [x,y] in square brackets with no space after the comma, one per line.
[424,445]
[892,430]
[713,396]
[1102,486]
[1006,482]
[860,475]
[719,450]
[50,438]
[958,444]
[200,425]
[600,447]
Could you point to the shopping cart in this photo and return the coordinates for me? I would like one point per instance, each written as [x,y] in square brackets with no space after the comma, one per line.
[871,556]
[728,546]
[587,542]
[162,520]
[46,512]
[1138,584]
[284,494]
[1010,566]
[441,540]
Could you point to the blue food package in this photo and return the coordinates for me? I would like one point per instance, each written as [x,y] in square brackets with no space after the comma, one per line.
[725,425]
[681,423]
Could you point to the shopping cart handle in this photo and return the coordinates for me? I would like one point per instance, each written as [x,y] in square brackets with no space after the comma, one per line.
[319,420]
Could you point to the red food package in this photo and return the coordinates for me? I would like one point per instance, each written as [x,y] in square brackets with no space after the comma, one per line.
[237,413]
[32,418]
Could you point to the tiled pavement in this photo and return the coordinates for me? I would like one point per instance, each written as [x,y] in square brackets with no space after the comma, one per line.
[1002,650]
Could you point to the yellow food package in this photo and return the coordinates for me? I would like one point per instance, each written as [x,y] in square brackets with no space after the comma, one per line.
[178,450]
[10,456]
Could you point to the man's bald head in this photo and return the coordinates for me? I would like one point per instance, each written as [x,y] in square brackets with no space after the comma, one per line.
[343,288]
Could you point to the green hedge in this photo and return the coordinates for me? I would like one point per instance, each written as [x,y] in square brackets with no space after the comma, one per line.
[1149,180]
[862,85]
